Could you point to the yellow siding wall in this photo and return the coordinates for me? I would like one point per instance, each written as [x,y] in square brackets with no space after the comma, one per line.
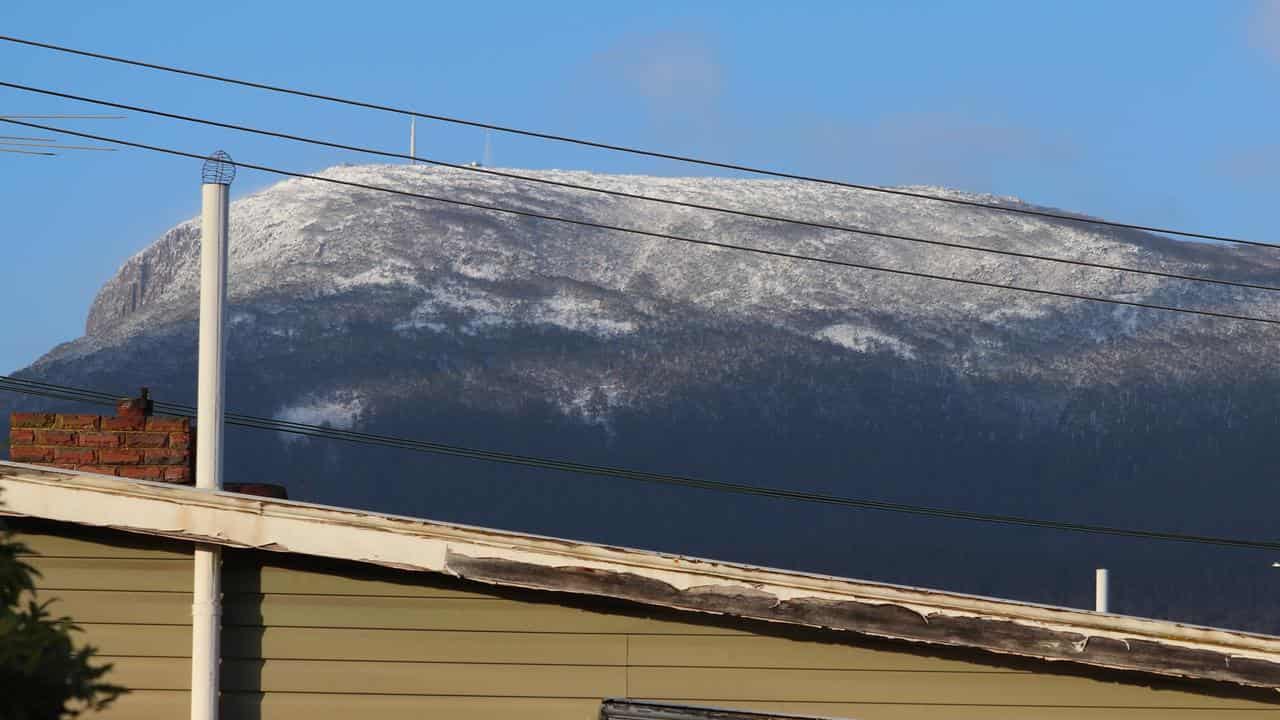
[315,640]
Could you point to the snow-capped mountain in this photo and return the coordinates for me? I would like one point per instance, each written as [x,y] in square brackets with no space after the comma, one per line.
[414,317]
[471,272]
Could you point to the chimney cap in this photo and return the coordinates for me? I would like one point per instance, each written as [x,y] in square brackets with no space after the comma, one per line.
[140,405]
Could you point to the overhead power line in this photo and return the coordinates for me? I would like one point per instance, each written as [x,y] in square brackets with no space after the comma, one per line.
[23,143]
[63,117]
[626,149]
[64,392]
[637,196]
[666,236]
[28,152]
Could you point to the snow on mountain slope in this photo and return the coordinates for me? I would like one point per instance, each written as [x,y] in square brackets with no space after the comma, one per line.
[472,272]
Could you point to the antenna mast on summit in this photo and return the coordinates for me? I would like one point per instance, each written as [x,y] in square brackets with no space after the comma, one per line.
[413,139]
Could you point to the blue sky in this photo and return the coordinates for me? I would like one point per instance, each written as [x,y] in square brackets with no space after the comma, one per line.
[1148,112]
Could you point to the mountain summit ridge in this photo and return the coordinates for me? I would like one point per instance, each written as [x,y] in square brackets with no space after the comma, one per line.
[320,240]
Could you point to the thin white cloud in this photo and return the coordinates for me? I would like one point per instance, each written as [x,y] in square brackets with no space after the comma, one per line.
[674,72]
[1264,28]
[679,82]
[955,149]
[675,78]
[1250,164]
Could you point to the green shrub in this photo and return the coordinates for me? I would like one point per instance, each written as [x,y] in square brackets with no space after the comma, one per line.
[45,675]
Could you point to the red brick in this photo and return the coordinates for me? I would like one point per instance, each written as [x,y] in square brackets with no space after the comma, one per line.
[142,472]
[21,436]
[119,456]
[62,466]
[77,422]
[101,439]
[124,423]
[165,457]
[55,437]
[177,474]
[98,469]
[168,424]
[146,439]
[179,440]
[30,420]
[77,455]
[29,454]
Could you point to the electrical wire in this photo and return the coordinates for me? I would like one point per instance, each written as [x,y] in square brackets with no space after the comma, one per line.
[635,196]
[26,144]
[664,236]
[64,117]
[28,152]
[626,149]
[63,392]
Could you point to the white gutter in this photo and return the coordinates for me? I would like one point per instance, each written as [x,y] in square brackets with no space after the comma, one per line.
[206,604]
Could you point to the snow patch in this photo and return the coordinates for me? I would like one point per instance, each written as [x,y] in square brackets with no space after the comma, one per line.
[1016,312]
[865,340]
[383,276]
[464,299]
[481,311]
[595,404]
[481,323]
[585,315]
[416,322]
[338,409]
[484,271]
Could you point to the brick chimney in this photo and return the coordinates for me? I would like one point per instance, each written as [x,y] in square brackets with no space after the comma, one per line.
[133,444]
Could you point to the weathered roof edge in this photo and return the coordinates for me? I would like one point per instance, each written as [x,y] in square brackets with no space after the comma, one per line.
[542,563]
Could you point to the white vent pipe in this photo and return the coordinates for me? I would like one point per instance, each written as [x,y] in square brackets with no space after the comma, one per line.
[206,606]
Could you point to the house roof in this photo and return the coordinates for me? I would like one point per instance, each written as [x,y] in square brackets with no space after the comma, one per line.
[672,581]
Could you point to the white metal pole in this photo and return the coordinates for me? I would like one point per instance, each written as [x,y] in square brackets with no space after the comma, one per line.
[206,614]
[213,296]
[1100,590]
[413,139]
[206,607]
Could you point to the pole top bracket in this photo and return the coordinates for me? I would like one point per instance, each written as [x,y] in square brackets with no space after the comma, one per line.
[219,169]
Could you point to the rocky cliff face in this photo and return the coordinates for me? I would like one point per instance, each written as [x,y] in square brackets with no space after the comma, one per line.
[400,315]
